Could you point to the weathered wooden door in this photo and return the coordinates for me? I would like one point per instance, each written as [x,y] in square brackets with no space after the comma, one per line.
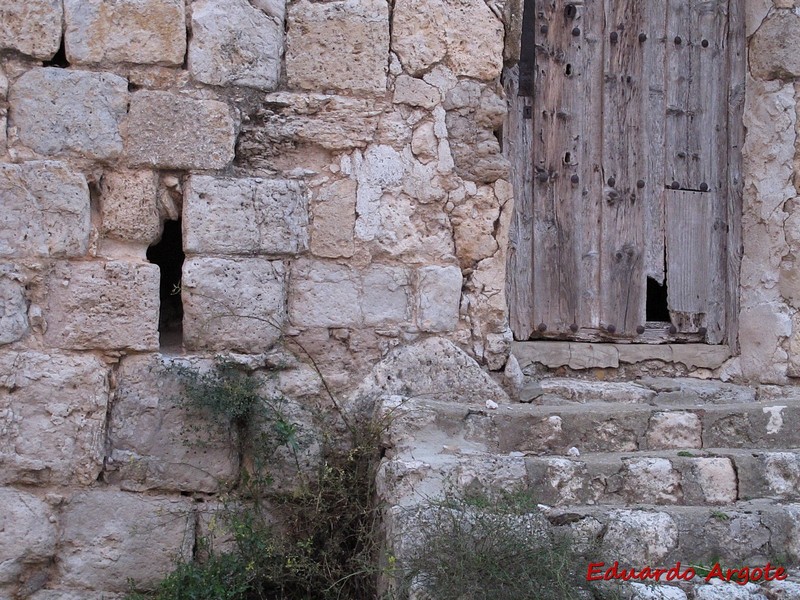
[620,130]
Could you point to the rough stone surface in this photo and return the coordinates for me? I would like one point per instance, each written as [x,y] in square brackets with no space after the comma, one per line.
[166,130]
[334,216]
[325,294]
[27,535]
[156,443]
[439,294]
[773,49]
[32,27]
[134,31]
[13,306]
[782,472]
[466,36]
[340,45]
[106,305]
[244,216]
[652,480]
[640,537]
[434,369]
[129,206]
[233,304]
[415,92]
[56,111]
[235,43]
[44,210]
[110,536]
[674,430]
[52,415]
[717,479]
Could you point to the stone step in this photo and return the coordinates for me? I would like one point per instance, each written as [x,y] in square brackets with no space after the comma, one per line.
[593,427]
[701,478]
[743,533]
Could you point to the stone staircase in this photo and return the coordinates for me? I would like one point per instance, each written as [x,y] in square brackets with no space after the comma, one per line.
[651,472]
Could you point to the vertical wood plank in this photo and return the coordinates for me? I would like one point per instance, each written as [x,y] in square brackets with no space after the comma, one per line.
[694,259]
[624,163]
[737,45]
[517,144]
[565,261]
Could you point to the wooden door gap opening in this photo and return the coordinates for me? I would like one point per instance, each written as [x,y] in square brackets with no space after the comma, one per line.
[657,308]
[168,254]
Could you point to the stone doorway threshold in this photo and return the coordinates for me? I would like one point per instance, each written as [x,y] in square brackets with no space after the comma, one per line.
[582,355]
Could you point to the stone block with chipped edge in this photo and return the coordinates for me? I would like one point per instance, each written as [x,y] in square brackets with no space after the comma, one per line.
[171,131]
[106,305]
[248,215]
[438,298]
[32,27]
[233,303]
[129,206]
[29,536]
[334,217]
[125,31]
[54,421]
[65,112]
[235,43]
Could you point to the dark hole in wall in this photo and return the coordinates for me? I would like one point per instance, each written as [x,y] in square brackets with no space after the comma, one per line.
[168,255]
[657,308]
[59,59]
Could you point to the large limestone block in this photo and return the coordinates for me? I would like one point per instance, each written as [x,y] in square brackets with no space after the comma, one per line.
[438,297]
[57,111]
[32,27]
[129,206]
[640,537]
[13,306]
[133,31]
[106,305]
[169,131]
[27,534]
[325,294]
[340,45]
[334,217]
[156,443]
[463,34]
[234,43]
[434,369]
[109,537]
[775,47]
[44,210]
[474,222]
[225,215]
[233,304]
[52,415]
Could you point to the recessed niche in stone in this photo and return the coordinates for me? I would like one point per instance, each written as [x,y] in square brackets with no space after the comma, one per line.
[168,255]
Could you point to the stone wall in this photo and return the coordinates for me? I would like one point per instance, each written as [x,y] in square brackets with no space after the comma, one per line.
[338,169]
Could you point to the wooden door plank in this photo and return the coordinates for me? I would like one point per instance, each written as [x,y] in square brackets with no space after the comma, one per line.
[694,260]
[623,284]
[517,144]
[565,265]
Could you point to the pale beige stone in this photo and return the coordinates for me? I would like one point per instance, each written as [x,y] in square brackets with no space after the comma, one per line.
[27,534]
[339,45]
[473,225]
[384,296]
[235,43]
[110,537]
[415,92]
[438,298]
[155,442]
[466,35]
[129,205]
[640,537]
[44,210]
[774,51]
[166,130]
[651,480]
[226,215]
[53,411]
[674,429]
[334,210]
[424,143]
[103,304]
[717,479]
[782,473]
[32,27]
[59,111]
[133,31]
[233,304]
